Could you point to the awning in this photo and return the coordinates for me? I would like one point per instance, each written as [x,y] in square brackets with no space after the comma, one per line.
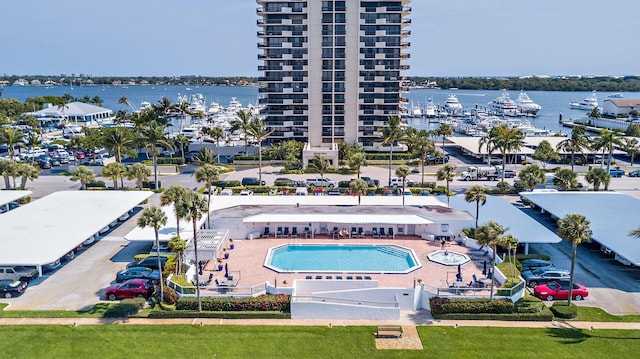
[338,218]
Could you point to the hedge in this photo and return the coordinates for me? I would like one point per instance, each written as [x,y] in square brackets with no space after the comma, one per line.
[225,184]
[219,314]
[385,156]
[96,184]
[474,305]
[171,161]
[562,310]
[263,303]
[125,308]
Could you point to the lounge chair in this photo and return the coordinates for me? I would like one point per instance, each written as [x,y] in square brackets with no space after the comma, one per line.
[349,277]
[382,235]
[318,277]
[294,232]
[328,277]
[279,232]
[360,232]
[354,232]
[286,232]
[374,233]
[390,233]
[366,277]
[359,277]
[217,283]
[266,232]
[308,277]
[339,277]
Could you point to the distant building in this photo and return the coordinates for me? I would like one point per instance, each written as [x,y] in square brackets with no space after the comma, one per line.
[74,112]
[620,106]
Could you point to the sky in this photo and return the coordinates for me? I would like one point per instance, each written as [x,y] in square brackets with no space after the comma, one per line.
[218,37]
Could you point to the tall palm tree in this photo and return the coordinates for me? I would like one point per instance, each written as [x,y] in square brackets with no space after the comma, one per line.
[140,173]
[114,171]
[358,186]
[597,176]
[163,108]
[7,168]
[153,136]
[243,123]
[195,206]
[27,172]
[489,235]
[476,194]
[84,175]
[444,130]
[11,137]
[183,110]
[506,139]
[420,144]
[391,133]
[182,141]
[119,141]
[217,134]
[576,143]
[631,146]
[510,243]
[208,174]
[204,156]
[155,218]
[532,175]
[173,195]
[357,160]
[446,173]
[63,105]
[258,130]
[319,164]
[33,139]
[574,228]
[607,141]
[177,246]
[403,172]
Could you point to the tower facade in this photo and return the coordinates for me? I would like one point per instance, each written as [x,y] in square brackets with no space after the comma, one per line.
[332,70]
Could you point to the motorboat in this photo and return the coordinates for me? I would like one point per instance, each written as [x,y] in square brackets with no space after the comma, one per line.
[452,105]
[503,105]
[416,111]
[430,109]
[526,106]
[616,95]
[587,104]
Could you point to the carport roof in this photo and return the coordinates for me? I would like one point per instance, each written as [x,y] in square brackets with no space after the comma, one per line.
[10,196]
[517,223]
[46,229]
[339,218]
[612,216]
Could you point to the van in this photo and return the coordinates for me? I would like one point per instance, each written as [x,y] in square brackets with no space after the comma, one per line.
[301,191]
[252,181]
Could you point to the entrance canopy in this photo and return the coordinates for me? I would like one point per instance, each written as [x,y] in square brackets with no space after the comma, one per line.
[338,218]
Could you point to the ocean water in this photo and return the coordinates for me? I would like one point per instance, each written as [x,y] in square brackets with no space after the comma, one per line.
[553,103]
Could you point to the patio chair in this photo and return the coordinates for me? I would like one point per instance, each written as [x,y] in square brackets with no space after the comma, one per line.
[349,277]
[360,232]
[359,277]
[354,232]
[308,277]
[366,277]
[382,234]
[286,232]
[339,277]
[390,233]
[329,277]
[279,232]
[374,233]
[318,277]
[266,232]
[294,232]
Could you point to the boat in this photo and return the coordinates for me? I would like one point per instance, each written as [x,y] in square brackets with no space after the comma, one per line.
[526,106]
[430,109]
[452,105]
[416,111]
[616,95]
[589,103]
[503,105]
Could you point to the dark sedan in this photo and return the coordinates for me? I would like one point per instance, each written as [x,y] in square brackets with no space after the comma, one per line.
[149,262]
[543,275]
[532,263]
[11,288]
[138,272]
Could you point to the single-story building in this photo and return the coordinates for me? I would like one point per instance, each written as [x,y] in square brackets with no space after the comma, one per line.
[73,112]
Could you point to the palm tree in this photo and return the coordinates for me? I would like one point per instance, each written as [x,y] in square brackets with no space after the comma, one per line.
[476,194]
[177,246]
[119,141]
[207,173]
[195,206]
[183,110]
[217,133]
[545,153]
[243,123]
[27,172]
[444,130]
[114,171]
[163,108]
[153,136]
[635,233]
[421,145]
[573,144]
[597,176]
[139,172]
[84,175]
[11,137]
[7,168]
[258,130]
[173,195]
[358,186]
[320,164]
[204,156]
[182,141]
[631,146]
[510,242]
[33,139]
[445,173]
[63,105]
[391,134]
[156,218]
[565,179]
[403,172]
[357,160]
[532,175]
[489,235]
[506,139]
[574,228]
[607,141]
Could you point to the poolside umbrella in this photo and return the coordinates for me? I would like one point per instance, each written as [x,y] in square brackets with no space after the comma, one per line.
[226,270]
[484,268]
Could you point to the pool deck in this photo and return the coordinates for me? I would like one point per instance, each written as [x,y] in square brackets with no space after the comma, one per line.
[246,263]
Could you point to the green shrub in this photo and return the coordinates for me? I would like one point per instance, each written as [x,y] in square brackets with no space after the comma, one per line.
[385,156]
[263,303]
[96,184]
[125,308]
[170,295]
[562,310]
[225,184]
[24,200]
[473,305]
[157,314]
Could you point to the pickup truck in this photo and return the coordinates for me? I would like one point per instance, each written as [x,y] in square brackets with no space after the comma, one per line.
[18,273]
[616,172]
[397,182]
[320,182]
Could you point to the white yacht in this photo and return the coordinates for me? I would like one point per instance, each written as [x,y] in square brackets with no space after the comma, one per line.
[503,105]
[588,103]
[526,106]
[233,106]
[452,105]
[416,110]
[430,109]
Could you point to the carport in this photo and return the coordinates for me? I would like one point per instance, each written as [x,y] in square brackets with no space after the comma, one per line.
[9,196]
[47,229]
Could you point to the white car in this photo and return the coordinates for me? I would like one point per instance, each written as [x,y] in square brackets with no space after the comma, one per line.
[104,230]
[246,192]
[124,217]
[227,192]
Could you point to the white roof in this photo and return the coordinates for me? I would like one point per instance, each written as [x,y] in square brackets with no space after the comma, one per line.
[339,218]
[72,109]
[168,231]
[612,216]
[50,227]
[10,196]
[516,222]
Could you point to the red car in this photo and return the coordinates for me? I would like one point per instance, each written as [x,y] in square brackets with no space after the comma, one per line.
[81,155]
[130,289]
[560,290]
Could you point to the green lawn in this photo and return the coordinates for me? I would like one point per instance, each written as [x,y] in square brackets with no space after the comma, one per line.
[96,312]
[594,314]
[180,341]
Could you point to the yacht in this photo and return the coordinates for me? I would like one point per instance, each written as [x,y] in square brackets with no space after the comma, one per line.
[588,103]
[452,105]
[430,109]
[526,106]
[233,106]
[416,111]
[503,105]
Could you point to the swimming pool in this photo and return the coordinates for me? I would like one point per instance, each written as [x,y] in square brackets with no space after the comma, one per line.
[360,258]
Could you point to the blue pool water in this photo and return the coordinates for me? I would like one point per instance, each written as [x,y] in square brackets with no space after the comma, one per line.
[342,258]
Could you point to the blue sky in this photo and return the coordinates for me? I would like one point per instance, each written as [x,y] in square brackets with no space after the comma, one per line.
[218,37]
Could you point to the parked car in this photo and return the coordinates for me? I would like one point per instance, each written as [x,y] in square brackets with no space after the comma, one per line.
[131,288]
[50,267]
[227,192]
[18,273]
[252,181]
[614,172]
[437,159]
[509,173]
[532,263]
[371,182]
[138,273]
[543,275]
[397,182]
[560,290]
[635,173]
[81,155]
[11,288]
[246,192]
[284,182]
[334,192]
[149,262]
[124,217]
